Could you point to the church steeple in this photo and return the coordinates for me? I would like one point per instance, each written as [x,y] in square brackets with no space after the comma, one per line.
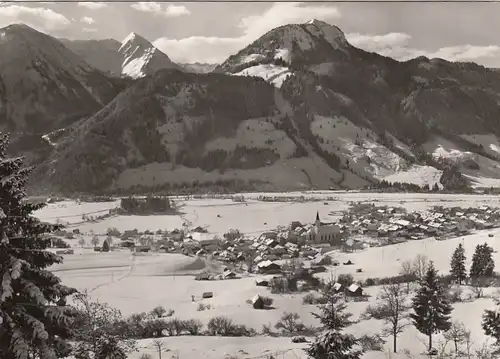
[317,216]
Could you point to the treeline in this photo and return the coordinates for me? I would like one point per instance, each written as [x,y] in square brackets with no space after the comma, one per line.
[148,205]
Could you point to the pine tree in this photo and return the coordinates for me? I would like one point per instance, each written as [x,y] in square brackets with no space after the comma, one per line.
[491,323]
[35,321]
[457,264]
[431,308]
[482,262]
[332,343]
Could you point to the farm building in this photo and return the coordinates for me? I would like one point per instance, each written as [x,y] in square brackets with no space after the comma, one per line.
[268,267]
[355,291]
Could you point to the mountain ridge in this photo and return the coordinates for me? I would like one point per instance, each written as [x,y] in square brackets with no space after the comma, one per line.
[298,108]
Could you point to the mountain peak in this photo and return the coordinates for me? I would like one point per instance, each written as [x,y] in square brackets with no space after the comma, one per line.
[136,39]
[331,33]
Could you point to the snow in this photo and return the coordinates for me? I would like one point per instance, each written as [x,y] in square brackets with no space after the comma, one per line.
[272,73]
[419,175]
[283,54]
[133,67]
[139,282]
[251,57]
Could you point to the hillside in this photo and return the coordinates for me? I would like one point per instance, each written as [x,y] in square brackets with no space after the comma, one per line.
[298,108]
[44,86]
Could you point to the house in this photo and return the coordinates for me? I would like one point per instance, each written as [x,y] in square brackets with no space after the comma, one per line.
[354,290]
[268,267]
[228,275]
[262,283]
[337,287]
[321,232]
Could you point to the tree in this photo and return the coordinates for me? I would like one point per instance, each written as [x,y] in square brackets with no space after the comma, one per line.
[482,262]
[394,302]
[457,264]
[95,241]
[81,242]
[408,273]
[332,343]
[458,333]
[159,346]
[105,246]
[35,320]
[420,266]
[100,331]
[431,308]
[491,323]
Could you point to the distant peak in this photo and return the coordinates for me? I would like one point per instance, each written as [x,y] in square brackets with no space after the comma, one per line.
[18,26]
[133,36]
[317,22]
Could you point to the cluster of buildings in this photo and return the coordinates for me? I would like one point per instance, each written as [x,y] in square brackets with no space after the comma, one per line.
[395,224]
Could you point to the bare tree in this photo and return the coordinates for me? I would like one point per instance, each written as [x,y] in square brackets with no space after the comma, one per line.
[458,333]
[420,266]
[408,273]
[160,347]
[394,300]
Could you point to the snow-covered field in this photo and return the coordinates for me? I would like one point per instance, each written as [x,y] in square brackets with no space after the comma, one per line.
[252,216]
[135,283]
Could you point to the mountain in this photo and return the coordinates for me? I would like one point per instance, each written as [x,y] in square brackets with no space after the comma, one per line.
[142,58]
[298,108]
[100,54]
[134,57]
[199,68]
[44,86]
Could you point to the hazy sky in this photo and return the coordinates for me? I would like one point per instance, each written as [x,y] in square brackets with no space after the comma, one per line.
[210,32]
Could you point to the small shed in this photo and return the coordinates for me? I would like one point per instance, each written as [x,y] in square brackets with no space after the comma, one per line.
[337,287]
[355,291]
[257,302]
[262,283]
[207,295]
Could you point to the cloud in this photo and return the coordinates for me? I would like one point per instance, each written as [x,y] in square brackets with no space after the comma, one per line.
[40,18]
[93,5]
[156,8]
[88,29]
[87,20]
[396,45]
[217,49]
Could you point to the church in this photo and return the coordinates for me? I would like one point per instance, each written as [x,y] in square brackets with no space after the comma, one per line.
[323,232]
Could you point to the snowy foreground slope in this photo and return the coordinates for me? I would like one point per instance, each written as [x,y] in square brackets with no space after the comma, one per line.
[139,282]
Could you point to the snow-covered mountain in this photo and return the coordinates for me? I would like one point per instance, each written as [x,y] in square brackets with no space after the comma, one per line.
[272,55]
[134,57]
[141,58]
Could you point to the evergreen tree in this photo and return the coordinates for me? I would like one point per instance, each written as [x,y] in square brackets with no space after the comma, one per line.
[431,308]
[35,321]
[332,343]
[491,323]
[105,246]
[457,264]
[482,262]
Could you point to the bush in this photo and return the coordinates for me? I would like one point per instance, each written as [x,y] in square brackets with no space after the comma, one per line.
[268,302]
[267,329]
[290,323]
[202,307]
[345,279]
[376,312]
[310,298]
[175,327]
[371,343]
[193,326]
[223,326]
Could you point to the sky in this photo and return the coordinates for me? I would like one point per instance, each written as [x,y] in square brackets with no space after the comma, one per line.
[210,32]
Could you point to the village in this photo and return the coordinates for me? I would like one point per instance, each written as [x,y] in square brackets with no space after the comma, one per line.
[362,225]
